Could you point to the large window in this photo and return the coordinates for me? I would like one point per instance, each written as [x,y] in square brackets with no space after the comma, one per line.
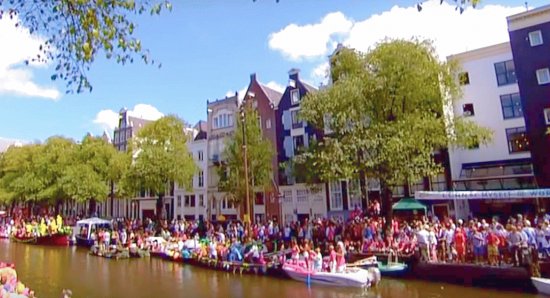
[223,120]
[287,196]
[336,202]
[201,179]
[543,76]
[298,143]
[200,155]
[301,195]
[438,182]
[511,106]
[517,140]
[295,96]
[259,198]
[296,122]
[354,194]
[506,72]
[178,202]
[535,38]
[201,201]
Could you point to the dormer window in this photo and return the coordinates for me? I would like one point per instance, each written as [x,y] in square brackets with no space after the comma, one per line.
[295,96]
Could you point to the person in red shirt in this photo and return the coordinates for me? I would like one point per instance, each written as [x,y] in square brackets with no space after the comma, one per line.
[492,248]
[460,245]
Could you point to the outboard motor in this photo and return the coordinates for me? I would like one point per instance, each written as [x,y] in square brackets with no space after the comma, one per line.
[374,276]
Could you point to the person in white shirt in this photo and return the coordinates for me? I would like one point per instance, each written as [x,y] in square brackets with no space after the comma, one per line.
[422,236]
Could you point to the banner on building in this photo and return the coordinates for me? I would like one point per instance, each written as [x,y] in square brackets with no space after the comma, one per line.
[483,195]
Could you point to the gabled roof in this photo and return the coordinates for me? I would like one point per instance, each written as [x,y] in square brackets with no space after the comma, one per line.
[274,96]
[201,125]
[137,122]
[308,87]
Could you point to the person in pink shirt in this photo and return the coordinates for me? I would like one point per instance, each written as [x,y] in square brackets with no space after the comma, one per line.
[332,259]
[340,258]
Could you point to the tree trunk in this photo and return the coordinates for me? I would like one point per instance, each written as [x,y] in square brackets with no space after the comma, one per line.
[92,208]
[387,202]
[160,207]
[58,204]
[112,197]
[363,187]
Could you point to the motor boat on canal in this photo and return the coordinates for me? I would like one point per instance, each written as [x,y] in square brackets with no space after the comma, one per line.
[86,227]
[542,285]
[351,277]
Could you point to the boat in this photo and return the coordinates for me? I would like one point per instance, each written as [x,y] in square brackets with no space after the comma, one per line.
[110,254]
[542,285]
[393,269]
[53,240]
[351,277]
[85,228]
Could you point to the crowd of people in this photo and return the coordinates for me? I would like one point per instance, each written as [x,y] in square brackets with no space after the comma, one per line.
[516,241]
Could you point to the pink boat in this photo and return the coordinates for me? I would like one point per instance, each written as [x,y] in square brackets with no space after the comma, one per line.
[352,277]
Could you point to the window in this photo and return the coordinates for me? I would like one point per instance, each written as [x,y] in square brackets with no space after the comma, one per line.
[192,199]
[179,201]
[287,196]
[268,123]
[201,179]
[517,140]
[295,96]
[506,72]
[200,155]
[298,143]
[201,201]
[468,109]
[464,78]
[543,76]
[418,186]
[216,124]
[354,191]
[301,195]
[187,202]
[438,182]
[259,198]
[547,116]
[511,106]
[336,202]
[223,120]
[296,123]
[535,38]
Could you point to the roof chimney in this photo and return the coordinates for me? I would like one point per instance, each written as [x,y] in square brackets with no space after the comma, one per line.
[293,74]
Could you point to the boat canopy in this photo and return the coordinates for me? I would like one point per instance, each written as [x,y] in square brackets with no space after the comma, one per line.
[93,224]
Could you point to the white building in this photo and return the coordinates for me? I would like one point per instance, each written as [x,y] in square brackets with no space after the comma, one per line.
[491,99]
[192,204]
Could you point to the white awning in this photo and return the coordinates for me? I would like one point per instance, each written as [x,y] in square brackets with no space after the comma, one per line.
[483,195]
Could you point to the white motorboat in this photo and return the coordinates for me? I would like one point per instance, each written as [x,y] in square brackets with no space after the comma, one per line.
[352,277]
[542,285]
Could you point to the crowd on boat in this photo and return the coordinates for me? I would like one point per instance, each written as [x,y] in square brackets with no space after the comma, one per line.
[35,226]
[10,286]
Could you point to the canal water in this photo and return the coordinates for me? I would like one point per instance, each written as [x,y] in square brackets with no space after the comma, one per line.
[49,270]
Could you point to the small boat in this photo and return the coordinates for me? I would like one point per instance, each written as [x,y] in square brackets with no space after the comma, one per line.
[53,240]
[393,269]
[110,254]
[542,285]
[85,227]
[351,277]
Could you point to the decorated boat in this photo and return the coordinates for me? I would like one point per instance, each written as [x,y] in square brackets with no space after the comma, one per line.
[111,253]
[351,277]
[542,285]
[85,229]
[55,239]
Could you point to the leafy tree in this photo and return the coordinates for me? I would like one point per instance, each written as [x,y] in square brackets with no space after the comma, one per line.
[77,31]
[58,154]
[160,158]
[88,178]
[19,176]
[461,5]
[259,153]
[389,112]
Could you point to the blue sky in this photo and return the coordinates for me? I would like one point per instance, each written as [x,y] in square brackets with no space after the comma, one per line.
[210,47]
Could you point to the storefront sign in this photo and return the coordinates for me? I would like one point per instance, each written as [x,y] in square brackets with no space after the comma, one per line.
[484,195]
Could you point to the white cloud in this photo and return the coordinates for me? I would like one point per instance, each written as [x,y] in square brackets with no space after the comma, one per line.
[451,31]
[312,40]
[6,143]
[276,86]
[20,45]
[108,119]
[320,73]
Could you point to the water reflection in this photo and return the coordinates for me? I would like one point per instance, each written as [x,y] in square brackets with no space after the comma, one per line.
[48,270]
